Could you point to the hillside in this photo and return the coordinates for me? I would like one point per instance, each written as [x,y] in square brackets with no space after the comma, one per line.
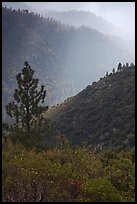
[102,114]
[65,58]
[80,18]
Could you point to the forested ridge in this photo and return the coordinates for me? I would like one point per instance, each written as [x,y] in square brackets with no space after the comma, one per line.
[80,18]
[103,113]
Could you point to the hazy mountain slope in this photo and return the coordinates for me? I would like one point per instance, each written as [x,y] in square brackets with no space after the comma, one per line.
[80,18]
[103,113]
[65,59]
[83,18]
[31,38]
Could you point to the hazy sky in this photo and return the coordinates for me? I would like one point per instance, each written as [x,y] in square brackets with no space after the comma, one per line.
[121,14]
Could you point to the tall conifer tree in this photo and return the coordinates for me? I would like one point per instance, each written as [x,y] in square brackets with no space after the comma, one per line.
[25,107]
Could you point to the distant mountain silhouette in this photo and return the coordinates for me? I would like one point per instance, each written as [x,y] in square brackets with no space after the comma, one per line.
[84,18]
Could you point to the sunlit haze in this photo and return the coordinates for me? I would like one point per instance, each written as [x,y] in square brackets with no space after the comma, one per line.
[120,14]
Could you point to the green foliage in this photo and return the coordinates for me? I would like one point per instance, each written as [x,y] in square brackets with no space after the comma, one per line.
[40,135]
[101,190]
[120,172]
[66,175]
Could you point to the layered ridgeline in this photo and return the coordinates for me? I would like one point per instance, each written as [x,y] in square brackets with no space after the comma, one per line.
[65,58]
[101,115]
[80,18]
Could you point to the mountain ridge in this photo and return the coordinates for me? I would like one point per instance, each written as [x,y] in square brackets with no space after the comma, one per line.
[80,18]
[102,114]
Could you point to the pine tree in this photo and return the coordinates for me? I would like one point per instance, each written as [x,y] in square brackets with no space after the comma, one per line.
[119,67]
[113,70]
[25,107]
